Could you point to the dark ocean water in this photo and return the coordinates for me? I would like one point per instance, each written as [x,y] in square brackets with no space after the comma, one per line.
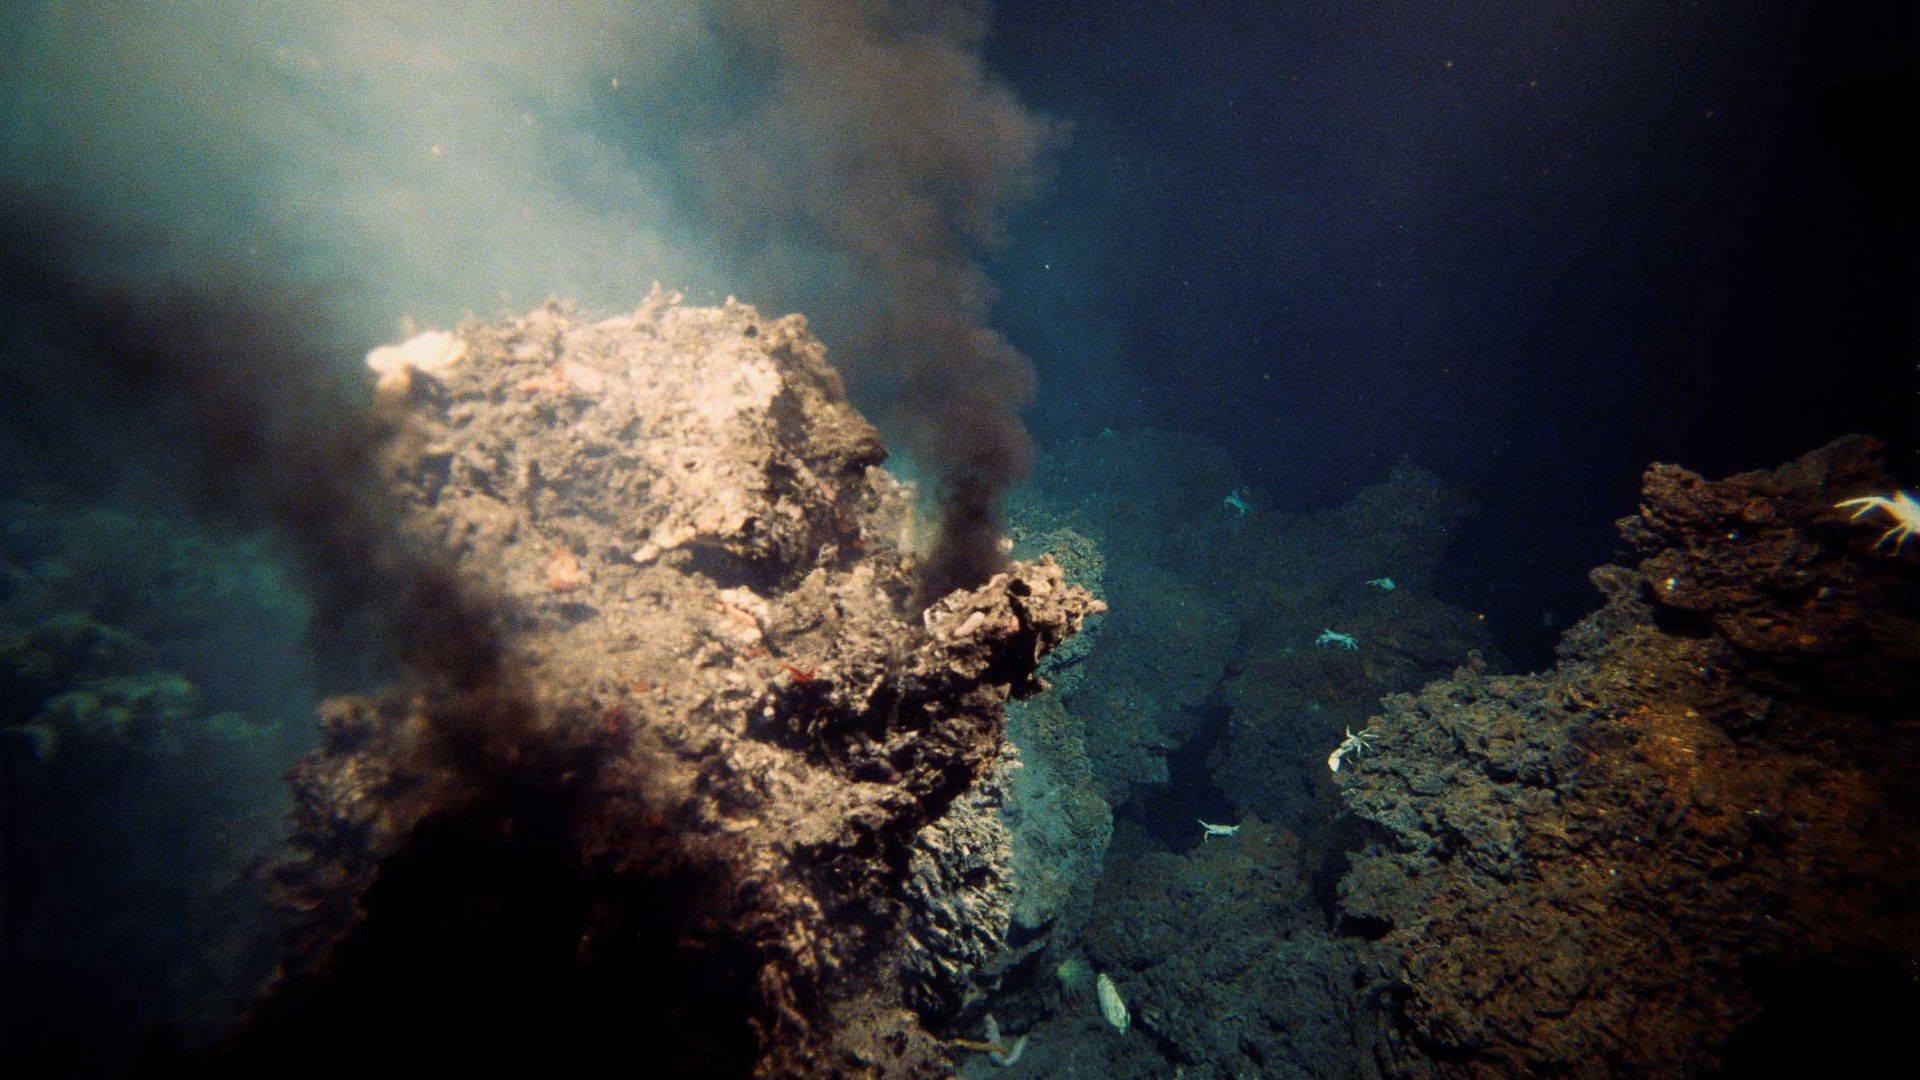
[1533,247]
[1290,267]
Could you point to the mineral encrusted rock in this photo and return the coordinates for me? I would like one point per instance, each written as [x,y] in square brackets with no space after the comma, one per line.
[745,827]
[1694,845]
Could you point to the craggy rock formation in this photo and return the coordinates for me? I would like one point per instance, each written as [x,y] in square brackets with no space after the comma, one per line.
[1059,826]
[1143,509]
[1226,965]
[723,802]
[140,785]
[1693,844]
[1222,946]
[1217,605]
[1291,699]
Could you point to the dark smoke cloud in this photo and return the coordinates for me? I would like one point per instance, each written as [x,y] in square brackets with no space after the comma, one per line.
[223,391]
[883,134]
[234,199]
[223,394]
[847,158]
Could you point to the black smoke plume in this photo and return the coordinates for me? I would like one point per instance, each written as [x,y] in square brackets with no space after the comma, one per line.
[225,394]
[851,159]
[883,134]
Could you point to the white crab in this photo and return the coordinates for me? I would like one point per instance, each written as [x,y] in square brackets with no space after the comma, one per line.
[1350,745]
[1328,637]
[1900,506]
[1213,830]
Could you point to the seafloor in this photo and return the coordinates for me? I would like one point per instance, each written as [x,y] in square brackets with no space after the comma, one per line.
[672,769]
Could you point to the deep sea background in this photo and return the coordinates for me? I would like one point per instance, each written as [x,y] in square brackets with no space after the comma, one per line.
[1527,247]
[1531,246]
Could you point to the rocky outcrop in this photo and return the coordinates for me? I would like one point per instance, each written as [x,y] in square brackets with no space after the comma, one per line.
[1225,962]
[721,803]
[1290,699]
[139,780]
[1137,516]
[1692,845]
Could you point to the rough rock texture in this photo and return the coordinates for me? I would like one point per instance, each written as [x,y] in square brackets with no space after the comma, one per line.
[745,827]
[1143,508]
[1291,701]
[1208,665]
[1086,566]
[1225,964]
[1059,824]
[960,895]
[140,780]
[1694,844]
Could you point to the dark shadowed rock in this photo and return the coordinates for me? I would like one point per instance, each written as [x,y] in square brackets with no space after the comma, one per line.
[1693,844]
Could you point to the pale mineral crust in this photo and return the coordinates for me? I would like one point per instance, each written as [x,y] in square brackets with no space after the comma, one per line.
[719,802]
